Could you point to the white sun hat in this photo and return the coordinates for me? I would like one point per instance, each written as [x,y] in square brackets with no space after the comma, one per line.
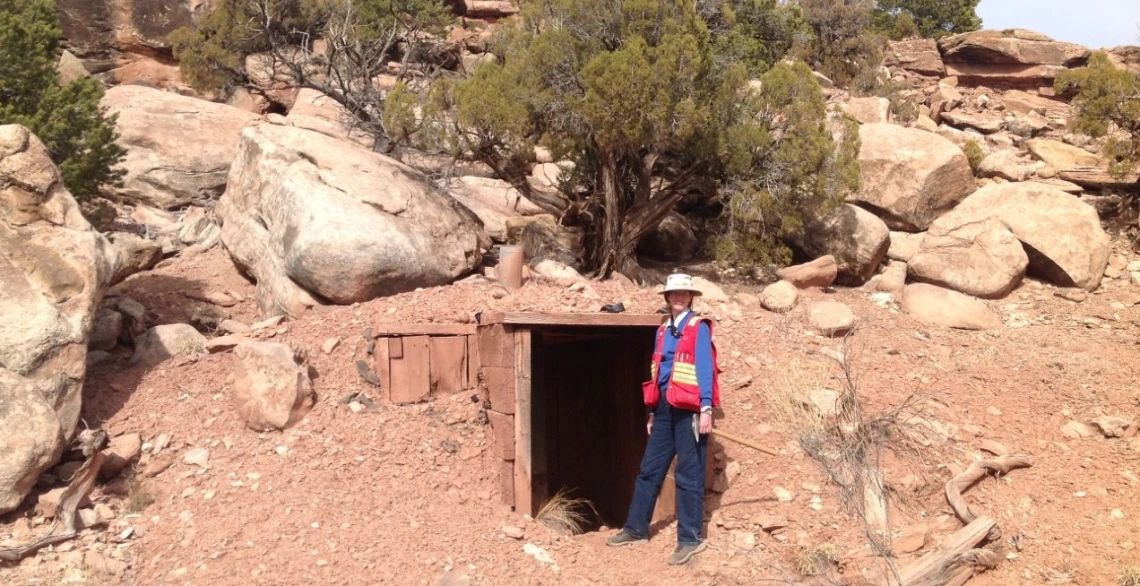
[680,282]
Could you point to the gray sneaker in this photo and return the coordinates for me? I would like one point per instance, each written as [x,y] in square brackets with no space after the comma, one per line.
[684,553]
[624,538]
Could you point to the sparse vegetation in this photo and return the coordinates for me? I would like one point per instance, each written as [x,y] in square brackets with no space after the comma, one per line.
[565,514]
[928,18]
[1106,103]
[66,118]
[842,45]
[138,497]
[1130,576]
[817,560]
[974,154]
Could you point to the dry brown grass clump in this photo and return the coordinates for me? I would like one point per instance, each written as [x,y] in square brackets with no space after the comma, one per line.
[1130,576]
[815,561]
[565,514]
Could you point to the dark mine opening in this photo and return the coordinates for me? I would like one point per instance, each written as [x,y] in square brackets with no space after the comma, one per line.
[588,417]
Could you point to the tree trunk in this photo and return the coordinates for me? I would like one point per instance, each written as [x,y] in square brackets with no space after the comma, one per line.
[608,248]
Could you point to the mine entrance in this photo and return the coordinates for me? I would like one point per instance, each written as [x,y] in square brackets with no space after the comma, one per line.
[588,419]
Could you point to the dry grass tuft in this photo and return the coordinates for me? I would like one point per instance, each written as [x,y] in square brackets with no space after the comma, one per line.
[565,514]
[817,560]
[138,497]
[1130,576]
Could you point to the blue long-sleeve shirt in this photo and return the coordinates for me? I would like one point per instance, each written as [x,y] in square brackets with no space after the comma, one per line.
[703,357]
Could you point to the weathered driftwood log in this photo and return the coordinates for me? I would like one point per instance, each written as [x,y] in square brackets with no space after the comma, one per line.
[959,558]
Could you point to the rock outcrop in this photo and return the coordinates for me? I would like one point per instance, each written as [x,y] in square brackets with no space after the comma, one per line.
[910,176]
[313,218]
[54,270]
[494,201]
[1013,57]
[179,149]
[918,55]
[982,259]
[943,307]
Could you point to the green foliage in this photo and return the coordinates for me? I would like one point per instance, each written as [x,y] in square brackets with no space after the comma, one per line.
[755,33]
[928,18]
[842,45]
[637,94]
[1107,103]
[67,119]
[974,154]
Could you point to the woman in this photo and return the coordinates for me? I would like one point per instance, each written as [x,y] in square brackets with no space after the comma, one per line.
[683,374]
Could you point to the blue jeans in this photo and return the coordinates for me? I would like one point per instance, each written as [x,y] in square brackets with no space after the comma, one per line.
[672,434]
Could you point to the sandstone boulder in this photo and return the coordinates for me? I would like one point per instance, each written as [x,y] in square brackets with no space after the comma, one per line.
[1127,57]
[106,33]
[893,278]
[167,341]
[918,55]
[1062,236]
[310,217]
[673,239]
[107,329]
[820,272]
[943,307]
[543,238]
[120,452]
[868,110]
[779,297]
[1020,102]
[493,201]
[179,149]
[904,245]
[944,99]
[857,240]
[983,122]
[133,254]
[1009,57]
[910,177]
[830,318]
[1061,156]
[315,111]
[272,391]
[1008,165]
[982,259]
[54,269]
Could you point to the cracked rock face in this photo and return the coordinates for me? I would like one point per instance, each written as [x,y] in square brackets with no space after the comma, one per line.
[54,269]
[314,219]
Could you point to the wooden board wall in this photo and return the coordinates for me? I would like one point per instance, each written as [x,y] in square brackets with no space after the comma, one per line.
[414,368]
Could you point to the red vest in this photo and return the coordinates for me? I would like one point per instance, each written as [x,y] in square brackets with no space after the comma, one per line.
[683,391]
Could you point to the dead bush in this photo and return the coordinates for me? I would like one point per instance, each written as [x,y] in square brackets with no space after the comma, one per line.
[816,561]
[565,514]
[1130,576]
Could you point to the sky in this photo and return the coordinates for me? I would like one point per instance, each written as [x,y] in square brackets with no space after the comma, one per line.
[1092,23]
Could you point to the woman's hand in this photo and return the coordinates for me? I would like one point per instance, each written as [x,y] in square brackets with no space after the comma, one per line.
[649,425]
[706,422]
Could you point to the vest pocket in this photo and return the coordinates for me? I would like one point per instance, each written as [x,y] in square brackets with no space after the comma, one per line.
[650,393]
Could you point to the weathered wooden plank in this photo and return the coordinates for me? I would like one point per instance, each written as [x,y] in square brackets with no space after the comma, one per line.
[523,494]
[496,346]
[502,435]
[473,361]
[572,319]
[939,566]
[382,367]
[384,330]
[500,384]
[448,364]
[411,373]
[507,482]
[395,347]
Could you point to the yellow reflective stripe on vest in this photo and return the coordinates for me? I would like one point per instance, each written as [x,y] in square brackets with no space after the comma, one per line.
[685,373]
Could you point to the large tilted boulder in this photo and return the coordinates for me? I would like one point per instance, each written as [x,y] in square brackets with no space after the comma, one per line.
[494,201]
[1008,57]
[918,55]
[856,238]
[910,176]
[179,149]
[313,218]
[54,269]
[673,239]
[1062,235]
[982,259]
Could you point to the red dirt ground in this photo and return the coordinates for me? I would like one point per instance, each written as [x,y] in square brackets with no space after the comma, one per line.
[374,498]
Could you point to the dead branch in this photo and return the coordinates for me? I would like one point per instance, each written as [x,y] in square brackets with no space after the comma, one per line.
[980,469]
[955,561]
[91,443]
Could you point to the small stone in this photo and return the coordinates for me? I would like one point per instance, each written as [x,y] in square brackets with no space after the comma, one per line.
[513,532]
[329,345]
[993,411]
[1074,295]
[122,450]
[355,407]
[1111,426]
[1076,430]
[197,456]
[816,503]
[1080,494]
[783,495]
[1116,514]
[771,523]
[911,539]
[743,540]
[189,492]
[268,323]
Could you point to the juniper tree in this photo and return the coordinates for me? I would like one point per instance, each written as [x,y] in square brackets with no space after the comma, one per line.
[635,93]
[67,118]
[1107,103]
